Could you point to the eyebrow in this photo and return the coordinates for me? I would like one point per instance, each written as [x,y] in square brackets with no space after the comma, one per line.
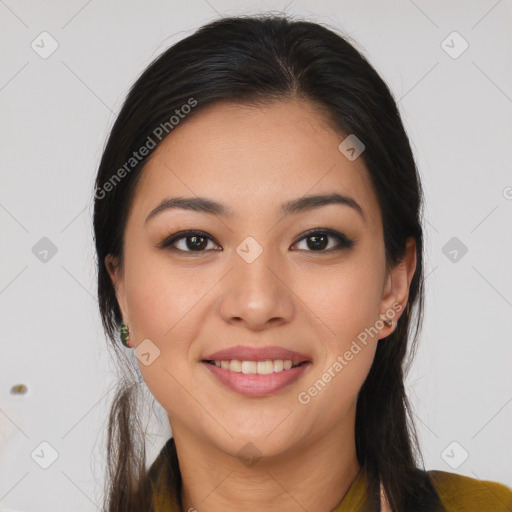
[210,207]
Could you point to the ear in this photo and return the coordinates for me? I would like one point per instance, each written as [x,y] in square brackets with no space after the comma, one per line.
[117,276]
[396,287]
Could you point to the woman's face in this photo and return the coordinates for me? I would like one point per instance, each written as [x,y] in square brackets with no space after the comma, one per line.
[253,278]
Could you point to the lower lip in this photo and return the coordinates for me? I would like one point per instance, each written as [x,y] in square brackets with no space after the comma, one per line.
[254,384]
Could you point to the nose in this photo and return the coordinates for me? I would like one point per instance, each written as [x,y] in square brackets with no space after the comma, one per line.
[256,295]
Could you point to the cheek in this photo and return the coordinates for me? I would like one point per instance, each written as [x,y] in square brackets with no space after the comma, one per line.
[159,295]
[331,394]
[345,297]
[167,304]
[160,301]
[348,308]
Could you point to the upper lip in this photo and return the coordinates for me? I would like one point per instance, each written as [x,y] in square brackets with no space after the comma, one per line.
[247,353]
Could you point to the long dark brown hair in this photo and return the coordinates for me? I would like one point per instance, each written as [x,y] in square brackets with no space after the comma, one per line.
[257,59]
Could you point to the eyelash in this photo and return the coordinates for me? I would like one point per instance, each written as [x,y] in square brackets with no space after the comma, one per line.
[343,241]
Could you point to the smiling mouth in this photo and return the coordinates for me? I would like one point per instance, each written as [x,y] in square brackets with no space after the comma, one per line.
[264,367]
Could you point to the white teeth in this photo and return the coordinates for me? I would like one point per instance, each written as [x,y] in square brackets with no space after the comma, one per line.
[260,367]
[249,367]
[278,365]
[235,366]
[265,367]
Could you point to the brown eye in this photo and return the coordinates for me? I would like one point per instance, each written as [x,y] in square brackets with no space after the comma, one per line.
[195,242]
[189,241]
[318,240]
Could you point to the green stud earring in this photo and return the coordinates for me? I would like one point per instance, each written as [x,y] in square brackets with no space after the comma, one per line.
[125,334]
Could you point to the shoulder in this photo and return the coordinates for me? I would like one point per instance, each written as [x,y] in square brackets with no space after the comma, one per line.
[162,481]
[158,471]
[465,494]
[155,471]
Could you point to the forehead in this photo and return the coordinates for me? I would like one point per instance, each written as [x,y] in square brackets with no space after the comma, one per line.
[250,157]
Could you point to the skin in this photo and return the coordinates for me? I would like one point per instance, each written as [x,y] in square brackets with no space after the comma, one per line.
[191,304]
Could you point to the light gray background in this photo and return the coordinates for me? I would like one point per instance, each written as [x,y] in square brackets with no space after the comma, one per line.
[55,116]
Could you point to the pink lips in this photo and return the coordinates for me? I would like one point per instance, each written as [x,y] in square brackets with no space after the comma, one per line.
[245,353]
[256,385]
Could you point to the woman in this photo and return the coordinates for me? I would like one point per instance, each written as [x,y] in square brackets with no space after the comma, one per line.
[258,232]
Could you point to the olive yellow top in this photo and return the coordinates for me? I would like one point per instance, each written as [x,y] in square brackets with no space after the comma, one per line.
[457,493]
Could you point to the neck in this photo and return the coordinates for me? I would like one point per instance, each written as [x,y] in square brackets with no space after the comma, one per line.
[312,476]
